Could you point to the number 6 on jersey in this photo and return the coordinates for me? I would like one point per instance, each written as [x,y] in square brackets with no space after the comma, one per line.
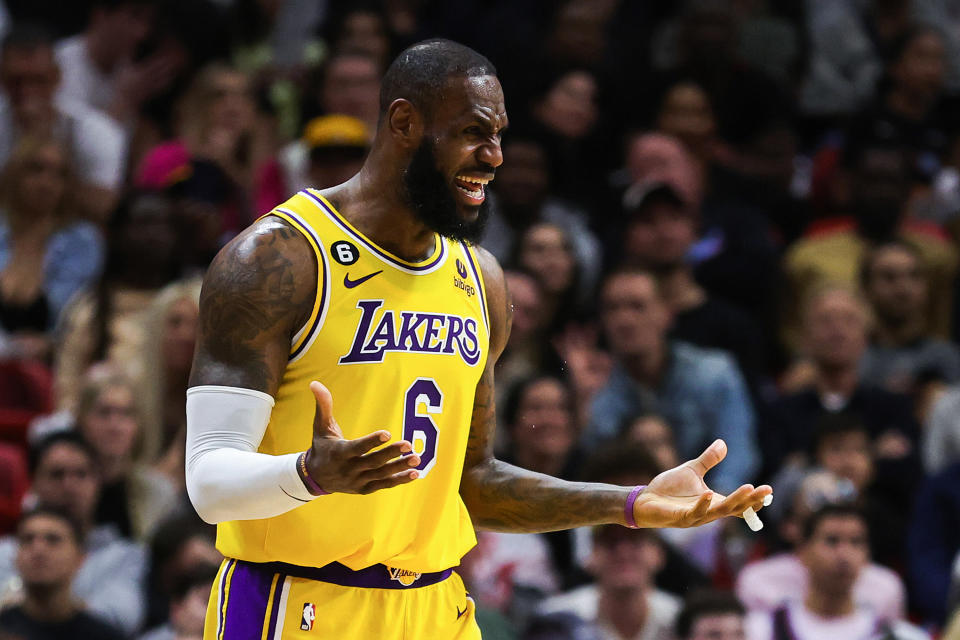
[419,429]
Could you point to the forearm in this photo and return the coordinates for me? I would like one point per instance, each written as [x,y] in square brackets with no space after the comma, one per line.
[503,497]
[227,479]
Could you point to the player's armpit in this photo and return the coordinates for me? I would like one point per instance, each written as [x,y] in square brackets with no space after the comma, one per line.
[257,292]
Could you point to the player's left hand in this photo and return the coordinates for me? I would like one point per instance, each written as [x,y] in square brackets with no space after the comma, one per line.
[679,497]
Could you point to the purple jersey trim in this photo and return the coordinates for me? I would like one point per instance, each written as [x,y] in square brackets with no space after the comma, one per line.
[306,229]
[376,576]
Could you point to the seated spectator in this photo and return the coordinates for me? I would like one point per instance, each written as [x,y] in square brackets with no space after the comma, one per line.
[902,353]
[348,85]
[106,322]
[546,252]
[180,543]
[542,427]
[218,126]
[835,323]
[133,497]
[170,333]
[834,551]
[111,569]
[329,152]
[661,230]
[624,603]
[46,254]
[769,584]
[100,67]
[879,185]
[29,77]
[521,197]
[656,435]
[934,541]
[49,554]
[711,615]
[686,114]
[527,351]
[188,606]
[699,391]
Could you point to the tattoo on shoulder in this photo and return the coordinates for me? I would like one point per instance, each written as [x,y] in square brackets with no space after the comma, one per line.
[253,293]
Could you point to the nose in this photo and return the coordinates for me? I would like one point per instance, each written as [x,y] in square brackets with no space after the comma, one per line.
[491,154]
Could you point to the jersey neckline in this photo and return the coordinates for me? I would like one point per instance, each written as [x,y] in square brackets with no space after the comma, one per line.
[429,265]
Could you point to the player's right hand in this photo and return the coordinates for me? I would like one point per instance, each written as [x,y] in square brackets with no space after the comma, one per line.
[339,465]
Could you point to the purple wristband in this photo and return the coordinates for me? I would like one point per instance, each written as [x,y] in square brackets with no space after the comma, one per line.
[628,508]
[305,476]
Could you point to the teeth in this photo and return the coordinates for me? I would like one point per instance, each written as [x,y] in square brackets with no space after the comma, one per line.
[480,181]
[477,195]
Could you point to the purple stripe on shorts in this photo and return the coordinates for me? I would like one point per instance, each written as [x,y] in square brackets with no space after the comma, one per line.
[247,604]
[275,609]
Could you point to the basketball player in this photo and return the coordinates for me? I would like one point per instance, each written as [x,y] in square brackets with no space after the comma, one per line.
[374,293]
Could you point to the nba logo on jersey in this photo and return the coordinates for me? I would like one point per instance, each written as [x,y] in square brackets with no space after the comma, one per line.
[309,615]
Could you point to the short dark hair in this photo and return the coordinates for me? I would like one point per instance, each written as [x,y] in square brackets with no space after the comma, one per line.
[704,603]
[838,510]
[619,458]
[629,270]
[835,424]
[870,257]
[67,436]
[55,513]
[28,36]
[420,73]
[201,575]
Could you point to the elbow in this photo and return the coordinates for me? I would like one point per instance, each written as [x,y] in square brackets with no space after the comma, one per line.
[202,493]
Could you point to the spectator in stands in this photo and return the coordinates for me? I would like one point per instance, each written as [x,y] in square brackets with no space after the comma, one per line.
[699,391]
[100,66]
[686,114]
[133,497]
[655,433]
[170,332]
[934,541]
[361,27]
[112,569]
[661,230]
[902,355]
[768,584]
[624,603]
[106,323]
[526,352]
[219,128]
[49,554]
[546,252]
[188,606]
[337,146]
[879,184]
[29,77]
[835,550]
[349,85]
[521,197]
[46,253]
[180,543]
[711,615]
[543,427]
[836,322]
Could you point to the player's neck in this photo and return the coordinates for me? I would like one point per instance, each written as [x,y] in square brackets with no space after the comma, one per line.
[372,201]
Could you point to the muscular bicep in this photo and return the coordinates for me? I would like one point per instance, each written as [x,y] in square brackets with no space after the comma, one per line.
[258,291]
[483,423]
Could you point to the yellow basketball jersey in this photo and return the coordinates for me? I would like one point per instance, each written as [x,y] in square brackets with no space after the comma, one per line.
[401,347]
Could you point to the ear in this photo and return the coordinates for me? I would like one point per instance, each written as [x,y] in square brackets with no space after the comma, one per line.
[405,123]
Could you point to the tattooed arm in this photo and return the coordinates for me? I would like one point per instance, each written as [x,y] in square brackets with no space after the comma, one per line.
[503,497]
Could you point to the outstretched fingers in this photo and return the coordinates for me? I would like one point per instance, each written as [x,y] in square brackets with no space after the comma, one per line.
[710,457]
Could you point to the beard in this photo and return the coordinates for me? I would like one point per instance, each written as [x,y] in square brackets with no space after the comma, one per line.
[428,195]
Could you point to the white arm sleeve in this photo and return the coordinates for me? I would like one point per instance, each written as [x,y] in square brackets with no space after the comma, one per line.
[226,478]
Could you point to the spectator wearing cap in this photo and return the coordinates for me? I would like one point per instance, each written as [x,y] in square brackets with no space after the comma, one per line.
[50,551]
[522,196]
[330,152]
[903,357]
[661,230]
[700,391]
[110,575]
[29,77]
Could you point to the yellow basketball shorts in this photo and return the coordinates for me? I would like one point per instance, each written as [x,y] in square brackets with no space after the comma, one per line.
[278,601]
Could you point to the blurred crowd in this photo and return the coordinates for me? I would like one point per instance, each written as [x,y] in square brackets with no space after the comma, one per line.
[718,218]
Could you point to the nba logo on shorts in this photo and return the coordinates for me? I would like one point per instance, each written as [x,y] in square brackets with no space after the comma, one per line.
[309,615]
